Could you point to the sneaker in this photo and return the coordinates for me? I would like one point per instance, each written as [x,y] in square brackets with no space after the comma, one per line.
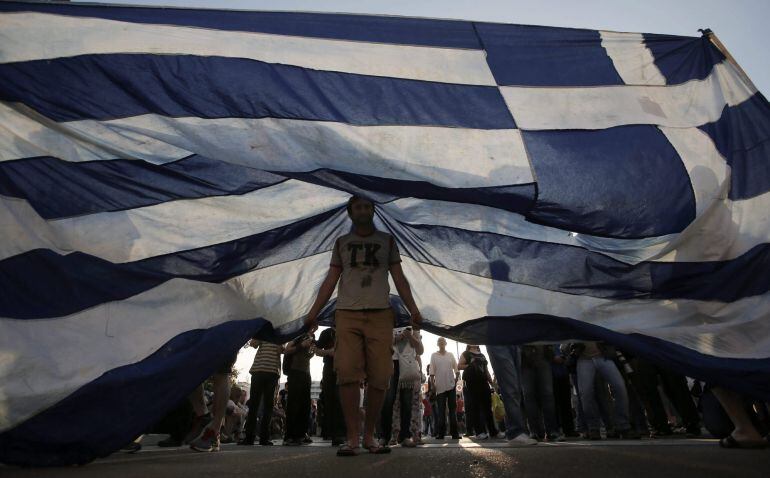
[206,442]
[556,438]
[246,442]
[455,437]
[265,443]
[307,440]
[408,443]
[499,435]
[291,442]
[594,435]
[198,425]
[522,439]
[481,436]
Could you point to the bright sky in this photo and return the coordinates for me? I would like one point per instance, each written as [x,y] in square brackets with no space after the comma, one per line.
[740,24]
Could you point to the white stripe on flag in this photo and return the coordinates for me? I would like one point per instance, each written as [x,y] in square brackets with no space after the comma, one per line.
[174,226]
[686,105]
[452,157]
[38,36]
[26,134]
[632,59]
[708,170]
[726,231]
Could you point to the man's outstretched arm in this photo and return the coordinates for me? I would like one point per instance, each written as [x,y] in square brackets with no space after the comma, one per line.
[405,292]
[324,294]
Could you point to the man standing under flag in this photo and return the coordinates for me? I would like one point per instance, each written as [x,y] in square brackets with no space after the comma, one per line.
[361,261]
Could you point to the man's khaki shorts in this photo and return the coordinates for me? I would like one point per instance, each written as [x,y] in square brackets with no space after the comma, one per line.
[364,347]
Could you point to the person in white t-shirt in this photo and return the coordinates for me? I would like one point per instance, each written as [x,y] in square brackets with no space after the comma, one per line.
[444,375]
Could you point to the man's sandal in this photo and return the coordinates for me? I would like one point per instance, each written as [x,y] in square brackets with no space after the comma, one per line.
[730,442]
[377,449]
[346,450]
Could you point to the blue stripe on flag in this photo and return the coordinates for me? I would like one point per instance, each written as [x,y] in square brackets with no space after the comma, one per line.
[42,284]
[525,55]
[366,28]
[76,281]
[112,410]
[104,87]
[748,376]
[625,182]
[742,136]
[681,59]
[116,185]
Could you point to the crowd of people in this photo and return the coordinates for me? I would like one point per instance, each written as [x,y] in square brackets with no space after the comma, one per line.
[377,392]
[522,394]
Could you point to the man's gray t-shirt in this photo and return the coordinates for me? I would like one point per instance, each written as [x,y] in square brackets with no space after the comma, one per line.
[365,261]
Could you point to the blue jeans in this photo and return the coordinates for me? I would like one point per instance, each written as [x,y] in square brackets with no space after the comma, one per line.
[539,401]
[586,374]
[506,363]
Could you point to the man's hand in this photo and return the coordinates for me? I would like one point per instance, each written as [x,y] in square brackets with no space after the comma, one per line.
[306,343]
[311,322]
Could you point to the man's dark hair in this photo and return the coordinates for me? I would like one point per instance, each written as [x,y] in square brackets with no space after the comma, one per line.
[355,198]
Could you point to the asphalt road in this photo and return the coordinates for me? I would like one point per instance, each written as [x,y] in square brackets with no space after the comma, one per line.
[674,458]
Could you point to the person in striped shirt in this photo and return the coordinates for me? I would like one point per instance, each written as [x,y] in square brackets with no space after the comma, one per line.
[265,372]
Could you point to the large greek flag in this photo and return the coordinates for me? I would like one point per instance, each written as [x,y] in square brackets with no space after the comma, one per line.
[172,182]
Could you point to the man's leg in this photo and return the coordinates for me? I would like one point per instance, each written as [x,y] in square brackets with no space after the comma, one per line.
[733,404]
[197,401]
[391,395]
[451,396]
[304,425]
[349,360]
[267,389]
[441,400]
[293,406]
[609,371]
[646,383]
[219,405]
[586,374]
[254,399]
[338,419]
[350,396]
[405,413]
[547,399]
[395,425]
[374,399]
[675,386]
[531,404]
[416,419]
[378,349]
[506,363]
[563,398]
